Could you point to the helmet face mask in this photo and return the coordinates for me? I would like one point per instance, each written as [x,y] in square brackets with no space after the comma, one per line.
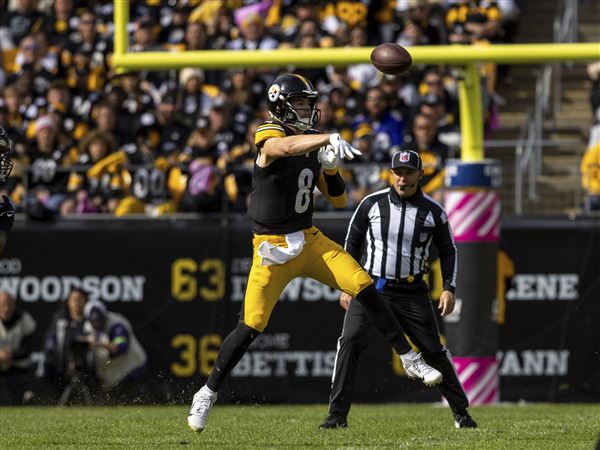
[283,89]
[6,151]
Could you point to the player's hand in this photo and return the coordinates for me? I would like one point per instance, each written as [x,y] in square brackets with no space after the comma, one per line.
[327,157]
[341,148]
[345,300]
[447,301]
[7,214]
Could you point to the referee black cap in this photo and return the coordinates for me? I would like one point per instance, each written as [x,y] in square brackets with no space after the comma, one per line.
[407,158]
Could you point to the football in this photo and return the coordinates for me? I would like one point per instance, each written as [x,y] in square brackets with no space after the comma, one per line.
[391,59]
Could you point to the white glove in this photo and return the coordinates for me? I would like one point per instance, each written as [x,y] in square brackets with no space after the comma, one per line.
[327,157]
[341,148]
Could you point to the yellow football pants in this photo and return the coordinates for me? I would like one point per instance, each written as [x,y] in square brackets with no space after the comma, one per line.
[321,259]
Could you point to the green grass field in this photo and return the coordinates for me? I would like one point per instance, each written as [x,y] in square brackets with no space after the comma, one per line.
[260,427]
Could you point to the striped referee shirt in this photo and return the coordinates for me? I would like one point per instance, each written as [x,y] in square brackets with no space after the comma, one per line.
[397,234]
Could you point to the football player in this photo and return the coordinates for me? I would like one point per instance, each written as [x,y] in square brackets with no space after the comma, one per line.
[7,210]
[293,159]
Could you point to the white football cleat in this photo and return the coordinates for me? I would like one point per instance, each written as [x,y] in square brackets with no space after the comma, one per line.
[415,367]
[203,400]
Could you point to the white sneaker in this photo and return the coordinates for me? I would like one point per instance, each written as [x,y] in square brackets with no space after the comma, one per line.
[415,367]
[201,404]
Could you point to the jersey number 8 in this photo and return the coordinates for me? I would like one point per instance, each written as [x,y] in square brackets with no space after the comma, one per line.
[305,180]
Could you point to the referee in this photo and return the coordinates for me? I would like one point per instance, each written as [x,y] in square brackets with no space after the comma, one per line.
[396,227]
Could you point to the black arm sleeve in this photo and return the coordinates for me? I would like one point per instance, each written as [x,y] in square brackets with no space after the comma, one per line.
[357,230]
[444,241]
[335,184]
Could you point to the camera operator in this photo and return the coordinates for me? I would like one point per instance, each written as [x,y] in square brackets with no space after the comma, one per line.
[119,358]
[68,357]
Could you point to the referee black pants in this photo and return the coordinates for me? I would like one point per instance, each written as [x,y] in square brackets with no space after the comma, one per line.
[413,308]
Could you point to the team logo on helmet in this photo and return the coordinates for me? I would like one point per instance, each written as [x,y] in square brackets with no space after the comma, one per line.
[404,157]
[273,93]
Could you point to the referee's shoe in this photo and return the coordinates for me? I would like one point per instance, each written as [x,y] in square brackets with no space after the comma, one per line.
[333,421]
[464,420]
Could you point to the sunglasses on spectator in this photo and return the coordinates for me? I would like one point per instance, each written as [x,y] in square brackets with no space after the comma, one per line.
[374,97]
[30,47]
[87,21]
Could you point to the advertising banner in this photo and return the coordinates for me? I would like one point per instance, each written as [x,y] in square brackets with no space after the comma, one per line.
[181,285]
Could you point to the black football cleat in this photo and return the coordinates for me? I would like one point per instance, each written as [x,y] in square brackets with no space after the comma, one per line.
[332,422]
[464,420]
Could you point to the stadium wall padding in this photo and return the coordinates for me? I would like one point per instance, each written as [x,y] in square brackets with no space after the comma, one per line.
[181,284]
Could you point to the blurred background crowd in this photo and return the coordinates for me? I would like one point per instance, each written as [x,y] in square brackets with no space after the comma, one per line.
[90,140]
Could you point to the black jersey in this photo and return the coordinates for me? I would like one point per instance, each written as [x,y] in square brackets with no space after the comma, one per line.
[282,193]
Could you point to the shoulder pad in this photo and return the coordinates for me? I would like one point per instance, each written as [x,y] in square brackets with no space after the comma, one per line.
[268,130]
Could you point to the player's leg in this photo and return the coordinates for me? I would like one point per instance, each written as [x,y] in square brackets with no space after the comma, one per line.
[352,342]
[415,312]
[332,265]
[265,285]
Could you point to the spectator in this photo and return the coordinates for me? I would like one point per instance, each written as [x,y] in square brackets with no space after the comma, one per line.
[87,40]
[420,14]
[424,139]
[91,193]
[160,132]
[194,100]
[46,181]
[236,166]
[364,75]
[590,177]
[202,193]
[16,334]
[378,132]
[434,106]
[15,25]
[33,64]
[119,358]
[481,20]
[401,94]
[433,83]
[60,24]
[67,355]
[253,35]
[105,118]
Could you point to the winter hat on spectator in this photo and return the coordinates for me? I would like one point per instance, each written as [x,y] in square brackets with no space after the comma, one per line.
[44,122]
[186,74]
[93,309]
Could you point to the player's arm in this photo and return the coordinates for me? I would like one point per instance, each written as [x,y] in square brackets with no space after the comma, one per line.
[273,143]
[332,186]
[444,241]
[280,147]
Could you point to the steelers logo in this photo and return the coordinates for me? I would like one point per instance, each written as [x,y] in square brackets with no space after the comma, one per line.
[273,93]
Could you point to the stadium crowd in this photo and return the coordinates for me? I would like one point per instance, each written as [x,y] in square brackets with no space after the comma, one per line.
[91,140]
